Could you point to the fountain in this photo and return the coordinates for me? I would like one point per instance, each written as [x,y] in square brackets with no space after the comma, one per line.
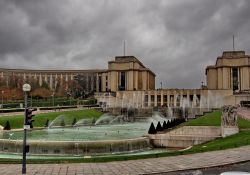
[108,135]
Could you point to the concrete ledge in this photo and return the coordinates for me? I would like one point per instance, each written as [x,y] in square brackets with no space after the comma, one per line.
[76,147]
[186,136]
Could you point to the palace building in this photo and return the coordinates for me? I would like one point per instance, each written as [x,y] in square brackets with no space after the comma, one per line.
[231,71]
[125,73]
[128,82]
[228,82]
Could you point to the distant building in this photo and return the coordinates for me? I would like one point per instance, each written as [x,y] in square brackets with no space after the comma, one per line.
[228,82]
[231,71]
[125,73]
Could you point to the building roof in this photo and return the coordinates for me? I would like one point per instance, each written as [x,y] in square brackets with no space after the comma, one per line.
[228,55]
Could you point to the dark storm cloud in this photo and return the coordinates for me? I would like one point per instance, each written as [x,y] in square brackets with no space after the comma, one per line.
[176,39]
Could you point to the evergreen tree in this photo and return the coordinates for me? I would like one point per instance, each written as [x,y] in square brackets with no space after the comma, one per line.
[170,124]
[74,122]
[159,127]
[46,123]
[93,121]
[165,126]
[7,126]
[152,129]
[31,125]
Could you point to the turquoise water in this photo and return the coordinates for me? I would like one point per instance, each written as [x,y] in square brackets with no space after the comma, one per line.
[84,133]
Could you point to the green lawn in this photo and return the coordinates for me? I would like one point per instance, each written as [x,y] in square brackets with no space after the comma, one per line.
[40,119]
[209,119]
[214,119]
[237,140]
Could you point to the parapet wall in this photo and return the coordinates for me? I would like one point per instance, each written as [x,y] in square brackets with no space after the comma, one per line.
[75,147]
[186,136]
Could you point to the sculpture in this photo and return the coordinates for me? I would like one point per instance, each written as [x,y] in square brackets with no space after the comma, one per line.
[229,116]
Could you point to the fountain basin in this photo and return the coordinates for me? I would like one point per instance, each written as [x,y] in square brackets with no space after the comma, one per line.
[108,135]
[76,147]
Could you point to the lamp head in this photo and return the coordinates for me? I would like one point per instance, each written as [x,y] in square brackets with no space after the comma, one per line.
[26,87]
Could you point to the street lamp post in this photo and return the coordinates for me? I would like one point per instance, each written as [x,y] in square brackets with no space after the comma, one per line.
[2,98]
[30,100]
[70,99]
[53,99]
[26,89]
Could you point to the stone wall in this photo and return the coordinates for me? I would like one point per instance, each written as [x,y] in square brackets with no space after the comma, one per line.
[186,136]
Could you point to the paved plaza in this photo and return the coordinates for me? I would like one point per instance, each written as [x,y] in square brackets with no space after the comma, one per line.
[244,113]
[143,166]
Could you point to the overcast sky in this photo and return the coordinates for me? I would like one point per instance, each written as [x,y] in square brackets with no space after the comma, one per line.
[176,39]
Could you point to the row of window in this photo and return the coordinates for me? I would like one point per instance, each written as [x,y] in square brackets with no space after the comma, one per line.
[187,99]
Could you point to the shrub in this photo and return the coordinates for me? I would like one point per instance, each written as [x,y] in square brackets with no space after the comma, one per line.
[165,126]
[7,125]
[152,129]
[46,123]
[93,121]
[159,127]
[74,122]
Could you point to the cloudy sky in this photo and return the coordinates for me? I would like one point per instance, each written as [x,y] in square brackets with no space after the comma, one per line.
[176,39]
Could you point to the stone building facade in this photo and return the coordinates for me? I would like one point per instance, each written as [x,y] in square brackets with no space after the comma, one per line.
[125,73]
[231,71]
[228,82]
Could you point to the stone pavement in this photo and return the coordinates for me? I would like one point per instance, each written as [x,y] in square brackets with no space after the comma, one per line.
[244,113]
[143,166]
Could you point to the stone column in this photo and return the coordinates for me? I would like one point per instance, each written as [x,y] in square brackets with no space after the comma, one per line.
[136,74]
[149,99]
[87,80]
[40,80]
[155,102]
[161,97]
[66,78]
[194,100]
[168,98]
[51,82]
[188,98]
[92,82]
[181,98]
[175,98]
[46,78]
[97,82]
[56,81]
[61,80]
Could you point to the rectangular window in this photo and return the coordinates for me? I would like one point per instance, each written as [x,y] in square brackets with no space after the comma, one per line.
[152,100]
[171,103]
[158,100]
[165,100]
[100,83]
[123,81]
[235,79]
[146,100]
[178,100]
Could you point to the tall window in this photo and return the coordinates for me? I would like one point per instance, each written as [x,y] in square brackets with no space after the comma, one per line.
[235,79]
[123,81]
[100,83]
